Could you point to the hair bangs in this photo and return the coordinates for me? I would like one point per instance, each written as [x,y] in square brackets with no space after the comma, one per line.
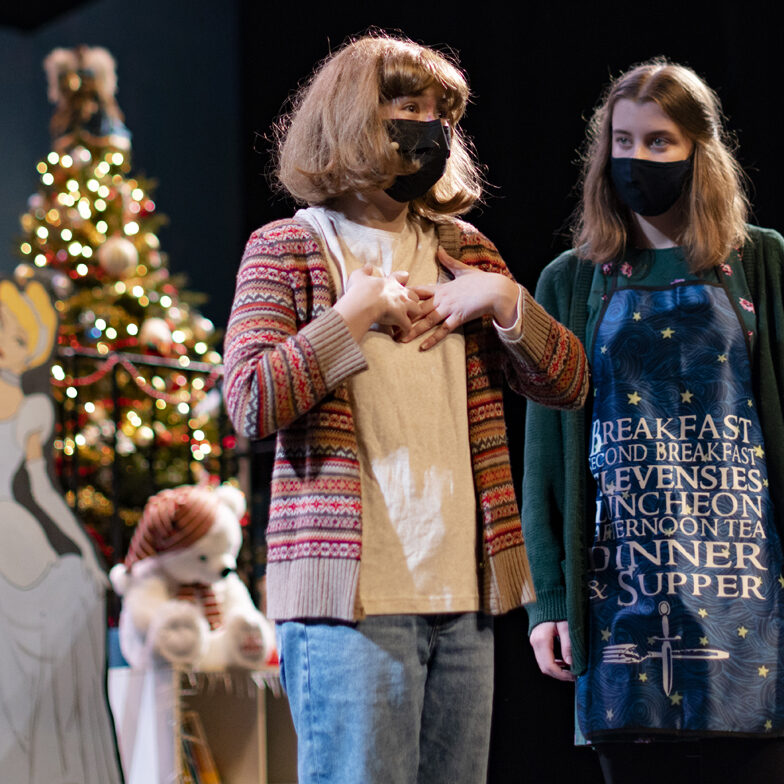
[409,69]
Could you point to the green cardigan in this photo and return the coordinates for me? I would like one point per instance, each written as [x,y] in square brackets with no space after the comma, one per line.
[558,489]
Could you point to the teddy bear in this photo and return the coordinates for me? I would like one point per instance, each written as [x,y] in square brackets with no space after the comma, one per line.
[183,601]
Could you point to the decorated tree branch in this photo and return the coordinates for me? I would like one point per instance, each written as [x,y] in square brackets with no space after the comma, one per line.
[136,373]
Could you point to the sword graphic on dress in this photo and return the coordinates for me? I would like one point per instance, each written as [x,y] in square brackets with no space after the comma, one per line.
[627,653]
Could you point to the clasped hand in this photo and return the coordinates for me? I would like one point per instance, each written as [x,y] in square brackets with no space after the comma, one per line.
[412,311]
[374,299]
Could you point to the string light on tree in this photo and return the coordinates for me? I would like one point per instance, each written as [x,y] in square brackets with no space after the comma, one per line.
[92,228]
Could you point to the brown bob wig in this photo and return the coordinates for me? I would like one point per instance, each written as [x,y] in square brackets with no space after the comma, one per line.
[333,140]
[715,204]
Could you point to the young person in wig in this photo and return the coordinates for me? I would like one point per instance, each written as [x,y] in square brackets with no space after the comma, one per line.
[372,331]
[654,518]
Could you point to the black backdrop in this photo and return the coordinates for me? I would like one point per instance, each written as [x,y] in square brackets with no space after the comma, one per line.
[536,72]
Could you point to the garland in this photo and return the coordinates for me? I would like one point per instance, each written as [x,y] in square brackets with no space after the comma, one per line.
[214,373]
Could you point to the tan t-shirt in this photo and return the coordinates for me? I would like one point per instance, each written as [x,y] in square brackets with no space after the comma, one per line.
[410,412]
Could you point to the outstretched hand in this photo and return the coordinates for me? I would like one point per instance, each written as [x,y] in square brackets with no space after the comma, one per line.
[472,293]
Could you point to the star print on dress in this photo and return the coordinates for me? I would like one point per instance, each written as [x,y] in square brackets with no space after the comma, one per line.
[683,555]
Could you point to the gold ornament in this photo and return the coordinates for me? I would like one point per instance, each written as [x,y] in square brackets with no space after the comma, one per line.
[118,256]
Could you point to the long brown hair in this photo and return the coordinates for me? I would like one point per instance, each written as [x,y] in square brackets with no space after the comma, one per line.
[716,205]
[334,141]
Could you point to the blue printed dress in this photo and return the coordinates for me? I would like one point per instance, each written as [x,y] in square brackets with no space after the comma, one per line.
[686,592]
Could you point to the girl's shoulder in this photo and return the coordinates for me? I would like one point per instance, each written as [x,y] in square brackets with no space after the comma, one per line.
[761,234]
[566,269]
[455,234]
[763,253]
[463,241]
[287,236]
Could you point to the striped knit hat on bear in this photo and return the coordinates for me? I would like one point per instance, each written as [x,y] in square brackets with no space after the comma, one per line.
[172,520]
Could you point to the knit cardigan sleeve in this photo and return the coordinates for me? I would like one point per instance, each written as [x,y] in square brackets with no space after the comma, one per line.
[285,347]
[544,476]
[547,363]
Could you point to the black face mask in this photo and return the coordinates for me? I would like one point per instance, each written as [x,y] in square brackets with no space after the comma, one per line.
[426,142]
[649,187]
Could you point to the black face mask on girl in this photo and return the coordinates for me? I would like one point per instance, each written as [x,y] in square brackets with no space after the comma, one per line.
[427,142]
[649,188]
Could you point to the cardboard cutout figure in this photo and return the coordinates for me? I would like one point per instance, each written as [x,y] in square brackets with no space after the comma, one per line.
[54,719]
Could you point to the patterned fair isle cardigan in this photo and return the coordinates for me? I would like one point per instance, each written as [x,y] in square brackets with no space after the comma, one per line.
[288,356]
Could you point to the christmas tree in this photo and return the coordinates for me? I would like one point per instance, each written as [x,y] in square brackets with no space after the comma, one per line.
[137,368]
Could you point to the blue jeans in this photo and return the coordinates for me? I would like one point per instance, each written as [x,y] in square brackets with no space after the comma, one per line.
[392,699]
